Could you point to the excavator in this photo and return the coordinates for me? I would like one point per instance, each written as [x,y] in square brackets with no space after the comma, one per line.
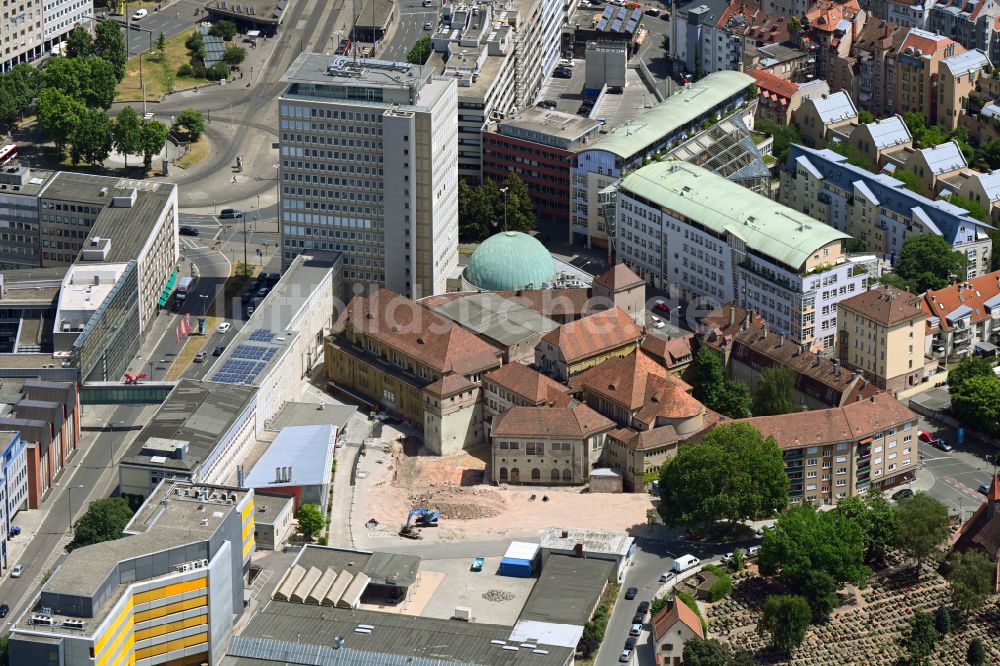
[419,518]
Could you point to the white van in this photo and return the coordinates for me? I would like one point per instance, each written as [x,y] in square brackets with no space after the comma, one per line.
[685,562]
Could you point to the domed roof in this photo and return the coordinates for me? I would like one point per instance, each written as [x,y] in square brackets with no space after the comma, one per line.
[510,260]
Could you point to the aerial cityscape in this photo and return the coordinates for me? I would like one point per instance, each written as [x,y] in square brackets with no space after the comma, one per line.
[499,332]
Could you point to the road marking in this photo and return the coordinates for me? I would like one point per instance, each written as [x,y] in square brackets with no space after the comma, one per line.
[961,487]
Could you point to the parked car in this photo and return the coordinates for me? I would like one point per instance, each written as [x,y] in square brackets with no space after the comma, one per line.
[652,12]
[218,350]
[615,90]
[224,327]
[727,558]
[661,306]
[625,657]
[140,14]
[667,576]
[477,563]
[273,278]
[245,298]
[263,291]
[934,441]
[585,4]
[566,62]
[643,607]
[753,551]
[635,630]
[250,310]
[200,357]
[562,74]
[4,609]
[638,618]
[630,643]
[631,592]
[185,230]
[763,528]
[984,488]
[230,213]
[906,492]
[17,571]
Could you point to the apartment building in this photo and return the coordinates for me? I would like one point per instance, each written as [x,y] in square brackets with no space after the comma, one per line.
[725,37]
[880,333]
[971,24]
[935,167]
[548,445]
[369,169]
[963,318]
[779,98]
[831,28]
[910,13]
[730,244]
[168,592]
[539,145]
[868,71]
[880,140]
[22,33]
[917,65]
[61,16]
[13,487]
[499,54]
[819,119]
[415,363]
[983,188]
[781,60]
[957,78]
[626,147]
[877,209]
[842,452]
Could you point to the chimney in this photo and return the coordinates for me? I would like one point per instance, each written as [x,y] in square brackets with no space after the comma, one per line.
[565,534]
[781,339]
[578,550]
[277,474]
[732,315]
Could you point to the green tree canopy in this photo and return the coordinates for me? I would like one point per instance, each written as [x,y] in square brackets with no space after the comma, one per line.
[715,391]
[735,473]
[775,393]
[922,525]
[191,122]
[79,43]
[929,261]
[854,156]
[234,55]
[784,137]
[105,520]
[865,117]
[976,209]
[311,521]
[59,115]
[967,368]
[109,43]
[89,79]
[976,402]
[92,140]
[481,209]
[706,652]
[161,43]
[18,88]
[877,518]
[942,620]
[223,28]
[971,579]
[910,180]
[420,52]
[786,619]
[976,655]
[813,553]
[920,639]
[154,138]
[127,134]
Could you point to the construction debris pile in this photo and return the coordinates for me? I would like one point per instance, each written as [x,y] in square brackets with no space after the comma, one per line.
[498,596]
[458,503]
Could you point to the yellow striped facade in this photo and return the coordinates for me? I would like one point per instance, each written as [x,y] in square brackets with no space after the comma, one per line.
[246,513]
[135,621]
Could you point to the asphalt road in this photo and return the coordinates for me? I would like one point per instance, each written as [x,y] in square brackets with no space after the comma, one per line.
[958,473]
[90,469]
[178,17]
[408,29]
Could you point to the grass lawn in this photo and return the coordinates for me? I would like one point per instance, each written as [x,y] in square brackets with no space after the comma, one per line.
[159,71]
[195,154]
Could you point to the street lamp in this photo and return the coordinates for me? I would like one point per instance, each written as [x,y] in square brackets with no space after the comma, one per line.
[246,265]
[204,304]
[69,500]
[504,190]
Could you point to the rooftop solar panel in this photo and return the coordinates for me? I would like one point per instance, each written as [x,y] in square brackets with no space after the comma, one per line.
[253,352]
[616,26]
[262,335]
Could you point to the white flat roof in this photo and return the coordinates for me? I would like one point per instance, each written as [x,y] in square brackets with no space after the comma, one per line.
[522,550]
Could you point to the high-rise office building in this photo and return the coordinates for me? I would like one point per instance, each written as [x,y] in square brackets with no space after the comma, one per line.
[369,157]
[21,32]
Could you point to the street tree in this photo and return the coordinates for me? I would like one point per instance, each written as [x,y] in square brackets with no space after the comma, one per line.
[706,652]
[929,262]
[161,43]
[64,75]
[311,521]
[971,579]
[942,620]
[977,403]
[877,517]
[109,43]
[128,136]
[191,122]
[234,55]
[99,82]
[18,88]
[79,43]
[920,639]
[786,619]
[865,117]
[735,473]
[59,115]
[92,141]
[482,210]
[922,525]
[104,520]
[976,655]
[420,52]
[969,367]
[154,138]
[813,553]
[225,29]
[774,394]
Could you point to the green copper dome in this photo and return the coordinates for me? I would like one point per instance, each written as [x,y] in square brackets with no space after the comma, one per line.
[510,260]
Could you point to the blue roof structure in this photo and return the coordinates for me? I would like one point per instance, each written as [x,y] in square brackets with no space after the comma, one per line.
[308,450]
[945,218]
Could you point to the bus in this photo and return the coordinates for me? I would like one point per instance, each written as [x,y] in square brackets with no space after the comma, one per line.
[8,154]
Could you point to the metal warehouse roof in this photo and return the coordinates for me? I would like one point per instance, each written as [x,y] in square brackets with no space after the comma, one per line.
[675,111]
[307,450]
[784,234]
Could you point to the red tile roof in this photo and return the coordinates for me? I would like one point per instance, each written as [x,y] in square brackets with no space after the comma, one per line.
[576,422]
[972,293]
[775,85]
[994,492]
[593,334]
[677,612]
[885,305]
[662,435]
[826,16]
[449,385]
[926,45]
[618,277]
[673,351]
[418,332]
[529,384]
[638,383]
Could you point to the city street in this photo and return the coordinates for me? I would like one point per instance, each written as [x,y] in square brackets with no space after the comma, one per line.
[407,29]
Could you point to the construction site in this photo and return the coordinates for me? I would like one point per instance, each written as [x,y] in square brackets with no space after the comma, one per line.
[392,481]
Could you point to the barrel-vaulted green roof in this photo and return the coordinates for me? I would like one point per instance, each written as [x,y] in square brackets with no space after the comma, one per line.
[784,234]
[675,111]
[510,260]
